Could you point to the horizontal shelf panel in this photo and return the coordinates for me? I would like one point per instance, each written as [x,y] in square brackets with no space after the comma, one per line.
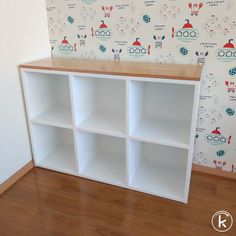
[107,168]
[160,142]
[160,179]
[163,131]
[58,116]
[62,159]
[104,123]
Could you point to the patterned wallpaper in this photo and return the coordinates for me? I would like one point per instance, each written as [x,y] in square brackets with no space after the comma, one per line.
[163,31]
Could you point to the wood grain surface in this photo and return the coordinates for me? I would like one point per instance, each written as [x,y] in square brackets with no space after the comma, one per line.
[14,178]
[47,203]
[213,171]
[135,69]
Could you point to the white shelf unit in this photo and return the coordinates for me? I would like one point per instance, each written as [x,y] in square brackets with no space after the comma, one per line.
[53,148]
[102,158]
[48,99]
[161,112]
[158,169]
[100,104]
[132,132]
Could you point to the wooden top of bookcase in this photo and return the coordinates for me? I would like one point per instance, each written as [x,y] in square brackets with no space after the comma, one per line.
[135,69]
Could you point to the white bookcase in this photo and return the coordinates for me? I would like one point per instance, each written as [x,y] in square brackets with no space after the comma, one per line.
[129,131]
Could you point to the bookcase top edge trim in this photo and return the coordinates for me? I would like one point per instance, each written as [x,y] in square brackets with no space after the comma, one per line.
[135,69]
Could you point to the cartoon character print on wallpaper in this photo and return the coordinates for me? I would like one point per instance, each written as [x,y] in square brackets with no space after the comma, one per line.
[163,31]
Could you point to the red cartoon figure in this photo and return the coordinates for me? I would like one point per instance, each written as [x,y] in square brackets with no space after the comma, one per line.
[229,44]
[65,41]
[227,53]
[195,7]
[103,25]
[65,48]
[231,86]
[187,33]
[137,43]
[233,168]
[136,50]
[187,25]
[107,11]
[103,32]
[216,138]
[219,164]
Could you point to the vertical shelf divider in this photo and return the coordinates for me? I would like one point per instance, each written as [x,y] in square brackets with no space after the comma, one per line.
[127,87]
[72,98]
[191,140]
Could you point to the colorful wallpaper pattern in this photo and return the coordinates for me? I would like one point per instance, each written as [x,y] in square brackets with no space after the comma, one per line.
[163,31]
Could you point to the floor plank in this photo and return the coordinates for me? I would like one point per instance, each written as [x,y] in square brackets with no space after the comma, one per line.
[47,203]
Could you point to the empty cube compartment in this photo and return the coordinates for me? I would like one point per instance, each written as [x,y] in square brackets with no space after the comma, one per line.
[158,169]
[100,105]
[54,148]
[161,112]
[48,99]
[102,158]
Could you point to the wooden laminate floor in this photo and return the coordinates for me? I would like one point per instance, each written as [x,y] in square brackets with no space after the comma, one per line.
[49,203]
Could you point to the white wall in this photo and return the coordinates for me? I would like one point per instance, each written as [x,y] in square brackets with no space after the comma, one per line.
[23,37]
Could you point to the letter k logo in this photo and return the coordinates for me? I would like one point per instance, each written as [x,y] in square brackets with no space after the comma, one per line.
[222,221]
